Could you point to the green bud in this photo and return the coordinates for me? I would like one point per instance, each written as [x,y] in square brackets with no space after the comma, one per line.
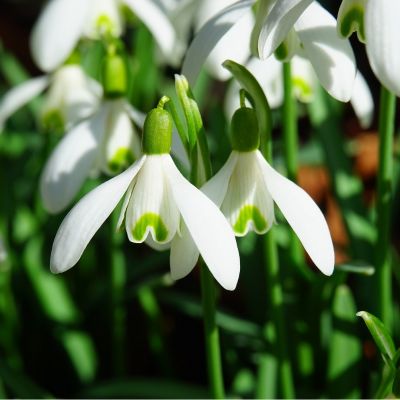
[244,130]
[114,76]
[157,130]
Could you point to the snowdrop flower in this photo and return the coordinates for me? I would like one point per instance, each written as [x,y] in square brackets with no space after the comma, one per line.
[63,22]
[246,188]
[106,141]
[269,74]
[71,96]
[287,27]
[377,25]
[159,203]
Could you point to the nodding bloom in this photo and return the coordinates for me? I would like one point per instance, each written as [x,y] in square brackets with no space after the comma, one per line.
[269,75]
[159,205]
[247,187]
[107,141]
[286,27]
[71,96]
[63,22]
[377,25]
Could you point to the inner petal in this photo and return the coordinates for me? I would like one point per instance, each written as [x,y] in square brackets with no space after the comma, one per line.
[151,208]
[247,204]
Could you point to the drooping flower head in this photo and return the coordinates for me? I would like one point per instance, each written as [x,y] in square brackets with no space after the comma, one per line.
[160,207]
[247,187]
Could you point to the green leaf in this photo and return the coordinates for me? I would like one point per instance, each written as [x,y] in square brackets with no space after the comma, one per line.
[396,383]
[345,351]
[379,333]
[251,85]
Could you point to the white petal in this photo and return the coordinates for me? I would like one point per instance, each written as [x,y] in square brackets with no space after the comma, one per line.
[178,150]
[232,46]
[157,23]
[208,9]
[303,215]
[332,57]
[208,227]
[208,37]
[157,246]
[136,116]
[152,208]
[304,79]
[70,162]
[215,189]
[19,96]
[247,204]
[362,101]
[278,23]
[382,33]
[57,31]
[83,221]
[184,254]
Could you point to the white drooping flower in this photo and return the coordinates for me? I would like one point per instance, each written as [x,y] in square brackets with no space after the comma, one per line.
[63,22]
[287,27]
[159,205]
[106,142]
[71,96]
[377,25]
[270,77]
[247,187]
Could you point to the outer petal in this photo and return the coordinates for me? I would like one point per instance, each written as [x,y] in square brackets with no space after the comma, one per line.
[70,162]
[57,31]
[157,22]
[83,221]
[209,35]
[331,57]
[215,189]
[362,101]
[184,254]
[303,215]
[208,227]
[19,96]
[382,39]
[278,23]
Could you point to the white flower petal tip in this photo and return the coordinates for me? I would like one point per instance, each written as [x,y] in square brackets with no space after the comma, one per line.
[83,221]
[57,31]
[208,37]
[332,57]
[382,31]
[303,215]
[209,230]
[362,101]
[19,96]
[278,23]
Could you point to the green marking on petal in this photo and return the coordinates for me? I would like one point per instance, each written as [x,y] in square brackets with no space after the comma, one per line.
[249,213]
[53,121]
[353,21]
[122,158]
[104,25]
[305,91]
[150,220]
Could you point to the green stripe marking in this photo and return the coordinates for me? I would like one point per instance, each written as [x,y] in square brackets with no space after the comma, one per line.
[122,158]
[247,214]
[353,21]
[150,220]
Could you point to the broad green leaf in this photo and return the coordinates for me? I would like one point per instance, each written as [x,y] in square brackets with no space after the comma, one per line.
[379,333]
[345,348]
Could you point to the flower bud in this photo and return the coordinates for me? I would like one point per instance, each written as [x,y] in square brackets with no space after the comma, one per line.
[114,76]
[157,130]
[244,130]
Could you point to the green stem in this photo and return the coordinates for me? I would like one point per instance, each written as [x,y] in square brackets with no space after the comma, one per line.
[383,206]
[213,351]
[290,139]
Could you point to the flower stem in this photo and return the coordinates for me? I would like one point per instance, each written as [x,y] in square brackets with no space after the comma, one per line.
[213,351]
[290,139]
[383,206]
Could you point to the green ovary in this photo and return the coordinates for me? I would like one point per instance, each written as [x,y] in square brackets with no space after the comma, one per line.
[150,220]
[248,214]
[282,51]
[121,159]
[53,121]
[353,21]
